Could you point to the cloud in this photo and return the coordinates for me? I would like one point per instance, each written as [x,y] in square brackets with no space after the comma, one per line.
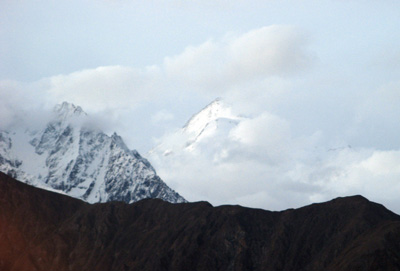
[272,50]
[102,88]
[162,116]
[376,118]
[266,134]
[22,103]
[285,185]
[259,162]
[268,51]
[237,163]
[255,60]
[372,173]
[8,102]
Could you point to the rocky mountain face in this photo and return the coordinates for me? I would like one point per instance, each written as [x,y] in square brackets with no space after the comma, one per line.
[71,157]
[42,230]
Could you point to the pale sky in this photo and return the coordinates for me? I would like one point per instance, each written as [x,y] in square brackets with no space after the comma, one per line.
[327,70]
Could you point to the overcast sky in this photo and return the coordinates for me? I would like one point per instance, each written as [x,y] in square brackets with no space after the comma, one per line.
[326,72]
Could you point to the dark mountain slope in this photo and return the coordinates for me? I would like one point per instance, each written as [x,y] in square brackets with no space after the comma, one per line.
[41,230]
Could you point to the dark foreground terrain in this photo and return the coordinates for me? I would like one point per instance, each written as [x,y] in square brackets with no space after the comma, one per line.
[41,230]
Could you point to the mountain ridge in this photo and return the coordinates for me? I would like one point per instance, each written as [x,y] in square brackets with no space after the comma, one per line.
[41,230]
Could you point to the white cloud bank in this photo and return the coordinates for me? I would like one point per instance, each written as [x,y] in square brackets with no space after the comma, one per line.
[260,163]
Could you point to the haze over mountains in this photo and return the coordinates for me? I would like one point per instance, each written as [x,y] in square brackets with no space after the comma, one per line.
[71,156]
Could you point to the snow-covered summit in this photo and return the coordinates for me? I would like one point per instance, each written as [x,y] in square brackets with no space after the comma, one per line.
[212,112]
[214,121]
[67,110]
[77,160]
[217,117]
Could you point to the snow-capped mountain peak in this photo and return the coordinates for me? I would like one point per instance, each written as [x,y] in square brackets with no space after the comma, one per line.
[212,112]
[213,121]
[68,110]
[75,159]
